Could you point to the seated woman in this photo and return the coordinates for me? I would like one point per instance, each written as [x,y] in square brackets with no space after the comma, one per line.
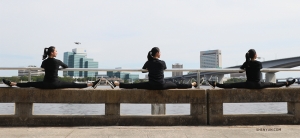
[156,69]
[51,66]
[253,73]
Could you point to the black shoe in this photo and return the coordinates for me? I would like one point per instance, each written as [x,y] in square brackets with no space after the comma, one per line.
[289,83]
[196,85]
[201,81]
[96,83]
[111,84]
[212,84]
[7,82]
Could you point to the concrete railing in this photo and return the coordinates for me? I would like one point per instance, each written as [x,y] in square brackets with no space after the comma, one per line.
[217,97]
[206,106]
[25,97]
[270,72]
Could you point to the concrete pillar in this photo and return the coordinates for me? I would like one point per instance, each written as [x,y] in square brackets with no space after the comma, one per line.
[29,76]
[294,109]
[158,109]
[23,110]
[220,78]
[112,108]
[271,77]
[198,79]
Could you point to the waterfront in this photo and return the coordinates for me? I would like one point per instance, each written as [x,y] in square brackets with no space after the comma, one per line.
[145,109]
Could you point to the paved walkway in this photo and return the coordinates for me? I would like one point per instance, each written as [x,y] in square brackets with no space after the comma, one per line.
[278,131]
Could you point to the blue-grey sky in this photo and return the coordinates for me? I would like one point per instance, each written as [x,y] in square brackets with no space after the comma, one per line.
[119,33]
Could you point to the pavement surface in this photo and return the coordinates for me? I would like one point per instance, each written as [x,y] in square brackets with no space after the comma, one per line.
[277,131]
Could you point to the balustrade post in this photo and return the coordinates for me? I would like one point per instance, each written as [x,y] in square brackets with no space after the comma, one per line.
[23,110]
[29,76]
[270,77]
[198,79]
[112,109]
[294,109]
[158,109]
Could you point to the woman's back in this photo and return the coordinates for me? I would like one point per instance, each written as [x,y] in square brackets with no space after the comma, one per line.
[51,66]
[156,69]
[253,70]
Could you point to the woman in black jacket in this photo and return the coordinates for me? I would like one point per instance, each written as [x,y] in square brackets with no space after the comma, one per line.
[253,73]
[51,66]
[156,69]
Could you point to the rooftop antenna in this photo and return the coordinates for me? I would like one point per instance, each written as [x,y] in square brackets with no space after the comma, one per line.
[77,43]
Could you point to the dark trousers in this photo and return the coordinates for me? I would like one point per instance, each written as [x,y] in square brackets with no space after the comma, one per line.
[52,85]
[251,85]
[155,86]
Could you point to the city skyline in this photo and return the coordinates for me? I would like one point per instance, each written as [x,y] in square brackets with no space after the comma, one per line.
[120,33]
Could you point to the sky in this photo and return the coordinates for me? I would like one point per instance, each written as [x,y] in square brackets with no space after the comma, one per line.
[119,33]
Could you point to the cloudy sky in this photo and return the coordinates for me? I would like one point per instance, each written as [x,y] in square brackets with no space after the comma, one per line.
[119,33]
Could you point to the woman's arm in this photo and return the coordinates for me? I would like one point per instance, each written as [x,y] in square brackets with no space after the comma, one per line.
[145,67]
[243,67]
[63,64]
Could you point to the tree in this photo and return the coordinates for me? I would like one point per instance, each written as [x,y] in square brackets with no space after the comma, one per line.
[235,80]
[126,81]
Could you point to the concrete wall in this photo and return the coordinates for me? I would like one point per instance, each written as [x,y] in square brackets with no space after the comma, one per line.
[24,99]
[217,97]
[206,106]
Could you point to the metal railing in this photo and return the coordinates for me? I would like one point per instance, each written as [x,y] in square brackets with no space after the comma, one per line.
[198,71]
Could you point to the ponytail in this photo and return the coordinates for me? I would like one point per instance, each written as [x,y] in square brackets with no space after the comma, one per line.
[45,53]
[152,53]
[247,58]
[48,51]
[149,56]
[250,55]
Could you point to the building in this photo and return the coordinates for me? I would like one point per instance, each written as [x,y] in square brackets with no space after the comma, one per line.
[33,72]
[122,75]
[78,59]
[177,66]
[211,59]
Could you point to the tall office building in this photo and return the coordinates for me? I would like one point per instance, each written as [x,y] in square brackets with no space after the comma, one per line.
[211,59]
[177,66]
[78,59]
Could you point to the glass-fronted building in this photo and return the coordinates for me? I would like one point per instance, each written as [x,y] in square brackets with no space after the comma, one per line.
[78,59]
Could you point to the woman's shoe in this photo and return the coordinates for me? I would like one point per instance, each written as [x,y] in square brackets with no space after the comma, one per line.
[212,84]
[289,83]
[96,83]
[111,84]
[7,82]
[196,85]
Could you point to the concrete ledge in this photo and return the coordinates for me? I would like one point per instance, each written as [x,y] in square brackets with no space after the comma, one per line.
[217,97]
[32,95]
[256,95]
[100,120]
[25,97]
[206,106]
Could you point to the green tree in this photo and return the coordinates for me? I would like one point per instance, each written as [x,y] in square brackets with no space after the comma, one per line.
[126,81]
[235,80]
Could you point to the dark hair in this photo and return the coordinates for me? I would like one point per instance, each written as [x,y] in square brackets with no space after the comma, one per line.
[249,55]
[47,51]
[152,53]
